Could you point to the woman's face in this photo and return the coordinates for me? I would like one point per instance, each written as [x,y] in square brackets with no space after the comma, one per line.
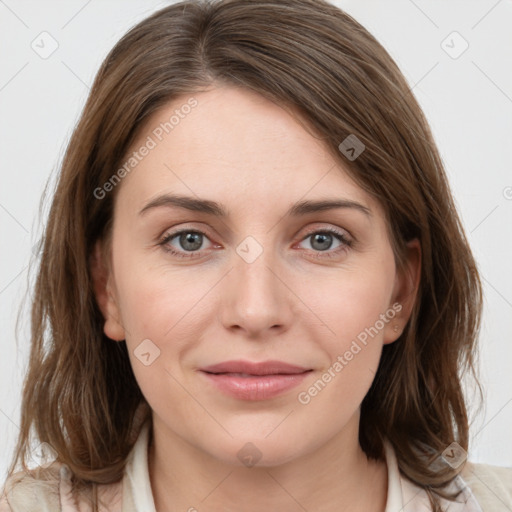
[248,267]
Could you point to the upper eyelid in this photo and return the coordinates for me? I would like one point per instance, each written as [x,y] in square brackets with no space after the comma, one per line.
[330,229]
[309,230]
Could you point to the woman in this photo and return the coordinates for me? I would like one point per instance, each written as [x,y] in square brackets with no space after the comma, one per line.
[254,291]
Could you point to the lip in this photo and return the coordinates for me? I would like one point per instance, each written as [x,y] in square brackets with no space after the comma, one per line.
[247,380]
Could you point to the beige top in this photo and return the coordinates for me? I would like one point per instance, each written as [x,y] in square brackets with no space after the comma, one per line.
[485,489]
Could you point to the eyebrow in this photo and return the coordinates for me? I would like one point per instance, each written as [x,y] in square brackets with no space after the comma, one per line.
[214,208]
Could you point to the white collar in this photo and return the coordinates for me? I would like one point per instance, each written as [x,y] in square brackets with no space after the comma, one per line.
[404,496]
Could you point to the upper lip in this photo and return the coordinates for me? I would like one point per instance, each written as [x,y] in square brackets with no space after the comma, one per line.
[250,368]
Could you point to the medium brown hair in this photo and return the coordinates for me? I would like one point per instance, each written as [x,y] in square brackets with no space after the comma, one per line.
[80,395]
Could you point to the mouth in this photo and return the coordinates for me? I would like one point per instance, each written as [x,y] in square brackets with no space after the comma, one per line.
[246,380]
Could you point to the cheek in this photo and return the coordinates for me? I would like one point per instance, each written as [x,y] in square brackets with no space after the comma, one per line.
[162,318]
[157,299]
[351,304]
[354,309]
[165,315]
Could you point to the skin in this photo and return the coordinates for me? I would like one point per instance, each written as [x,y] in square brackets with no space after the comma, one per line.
[292,303]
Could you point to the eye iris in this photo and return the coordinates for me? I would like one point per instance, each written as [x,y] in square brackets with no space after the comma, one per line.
[191,241]
[324,239]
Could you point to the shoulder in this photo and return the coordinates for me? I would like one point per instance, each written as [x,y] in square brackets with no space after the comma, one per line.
[34,490]
[48,489]
[491,485]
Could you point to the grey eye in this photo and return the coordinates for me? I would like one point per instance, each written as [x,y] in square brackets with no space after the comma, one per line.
[191,241]
[321,241]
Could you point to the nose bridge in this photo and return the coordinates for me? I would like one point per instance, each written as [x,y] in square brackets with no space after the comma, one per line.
[256,300]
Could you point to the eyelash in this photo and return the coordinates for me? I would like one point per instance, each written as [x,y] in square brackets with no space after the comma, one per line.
[345,243]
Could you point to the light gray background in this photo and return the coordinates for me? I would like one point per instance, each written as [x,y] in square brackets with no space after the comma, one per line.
[468,101]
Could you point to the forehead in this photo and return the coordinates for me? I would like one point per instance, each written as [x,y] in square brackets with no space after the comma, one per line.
[237,146]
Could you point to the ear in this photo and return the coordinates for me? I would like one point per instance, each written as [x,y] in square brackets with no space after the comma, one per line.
[405,291]
[104,292]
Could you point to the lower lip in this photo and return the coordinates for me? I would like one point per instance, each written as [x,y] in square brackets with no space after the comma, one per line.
[261,387]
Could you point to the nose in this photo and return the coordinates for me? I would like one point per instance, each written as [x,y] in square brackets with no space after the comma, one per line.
[255,298]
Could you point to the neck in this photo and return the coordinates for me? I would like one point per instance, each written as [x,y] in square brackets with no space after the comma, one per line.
[334,477]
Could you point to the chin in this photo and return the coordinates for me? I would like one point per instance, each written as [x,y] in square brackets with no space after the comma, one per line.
[258,452]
